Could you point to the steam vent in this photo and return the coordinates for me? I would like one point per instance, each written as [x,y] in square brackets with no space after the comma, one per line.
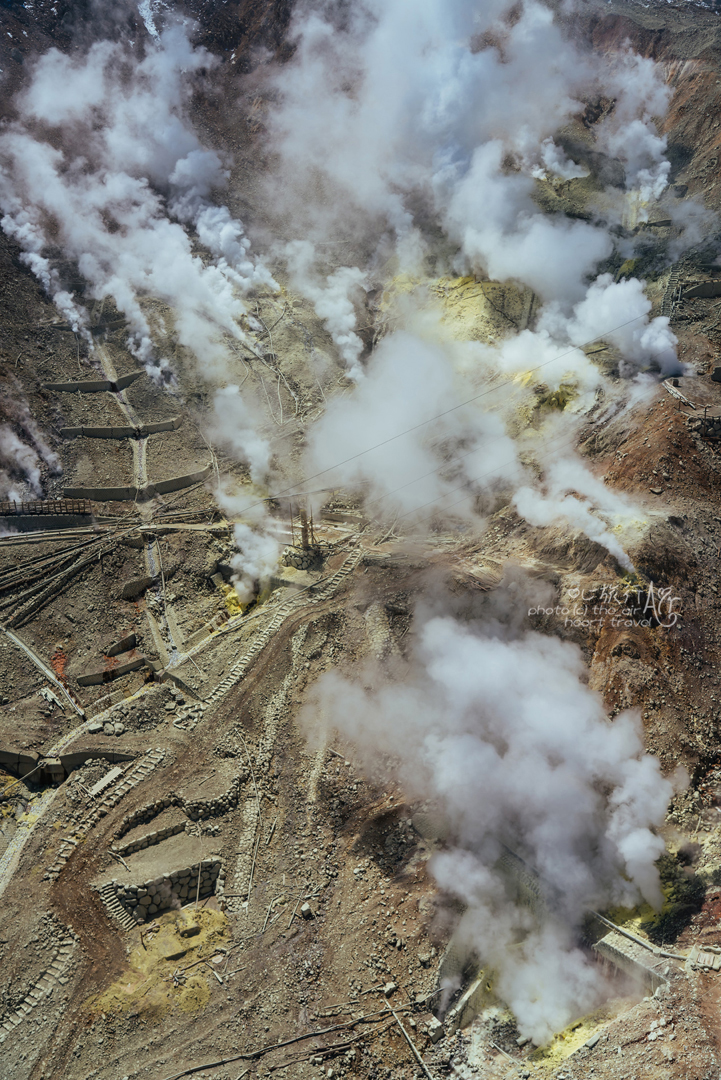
[360,534]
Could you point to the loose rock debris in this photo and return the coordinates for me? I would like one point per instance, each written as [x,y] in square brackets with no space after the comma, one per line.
[134,684]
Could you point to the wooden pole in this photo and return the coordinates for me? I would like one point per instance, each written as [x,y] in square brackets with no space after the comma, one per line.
[408,1039]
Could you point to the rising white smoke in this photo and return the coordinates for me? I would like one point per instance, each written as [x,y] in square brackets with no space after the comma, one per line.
[628,132]
[231,425]
[424,467]
[333,301]
[20,461]
[572,494]
[255,561]
[111,171]
[493,219]
[447,135]
[495,725]
[254,531]
[618,312]
[23,448]
[441,114]
[554,163]
[409,380]
[116,198]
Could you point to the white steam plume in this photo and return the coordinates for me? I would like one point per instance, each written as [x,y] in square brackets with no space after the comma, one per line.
[627,132]
[257,558]
[132,173]
[564,481]
[439,116]
[449,466]
[618,312]
[332,302]
[409,379]
[20,461]
[112,172]
[23,449]
[258,548]
[496,726]
[231,425]
[492,217]
[555,162]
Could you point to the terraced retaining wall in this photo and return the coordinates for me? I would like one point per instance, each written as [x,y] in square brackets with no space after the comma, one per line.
[96,678]
[34,524]
[94,386]
[17,762]
[133,494]
[127,432]
[195,809]
[173,890]
[709,427]
[703,289]
[149,839]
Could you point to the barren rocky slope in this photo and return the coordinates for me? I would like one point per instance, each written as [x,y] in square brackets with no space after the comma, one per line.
[318,947]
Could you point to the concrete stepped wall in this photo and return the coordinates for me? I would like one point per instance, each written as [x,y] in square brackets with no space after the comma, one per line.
[135,494]
[79,757]
[96,678]
[17,762]
[125,432]
[25,523]
[705,289]
[94,386]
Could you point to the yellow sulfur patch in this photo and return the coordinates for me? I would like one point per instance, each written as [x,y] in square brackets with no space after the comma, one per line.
[572,1038]
[232,600]
[470,310]
[627,269]
[146,985]
[558,399]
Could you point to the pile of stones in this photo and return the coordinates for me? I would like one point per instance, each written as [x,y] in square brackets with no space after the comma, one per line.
[309,558]
[108,727]
[710,427]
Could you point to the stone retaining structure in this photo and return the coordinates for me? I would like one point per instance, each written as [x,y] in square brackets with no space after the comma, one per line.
[127,432]
[708,427]
[149,839]
[304,558]
[131,493]
[94,386]
[174,890]
[54,974]
[195,809]
[81,828]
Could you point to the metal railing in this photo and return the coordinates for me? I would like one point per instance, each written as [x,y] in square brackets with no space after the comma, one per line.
[9,507]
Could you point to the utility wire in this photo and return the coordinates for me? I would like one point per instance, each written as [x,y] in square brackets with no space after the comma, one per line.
[437,416]
[568,441]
